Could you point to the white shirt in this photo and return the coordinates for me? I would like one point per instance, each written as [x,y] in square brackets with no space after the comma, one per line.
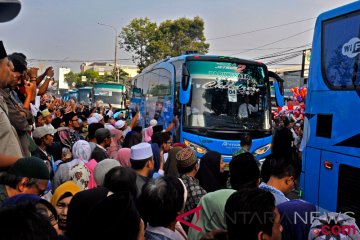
[49,126]
[243,110]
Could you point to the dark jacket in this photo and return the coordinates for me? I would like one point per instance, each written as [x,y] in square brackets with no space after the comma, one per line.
[98,154]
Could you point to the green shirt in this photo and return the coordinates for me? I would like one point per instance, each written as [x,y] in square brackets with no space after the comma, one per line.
[242,150]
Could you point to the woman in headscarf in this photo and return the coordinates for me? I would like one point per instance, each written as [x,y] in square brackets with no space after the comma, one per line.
[115,217]
[210,173]
[116,141]
[170,167]
[123,156]
[148,134]
[75,170]
[79,208]
[61,200]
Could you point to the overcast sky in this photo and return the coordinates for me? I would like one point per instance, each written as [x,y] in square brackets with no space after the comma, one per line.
[67,29]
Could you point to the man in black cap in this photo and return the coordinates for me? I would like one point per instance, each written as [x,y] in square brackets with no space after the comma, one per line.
[19,112]
[27,175]
[103,138]
[9,141]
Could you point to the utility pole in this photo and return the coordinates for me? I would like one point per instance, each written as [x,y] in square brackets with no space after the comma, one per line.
[117,78]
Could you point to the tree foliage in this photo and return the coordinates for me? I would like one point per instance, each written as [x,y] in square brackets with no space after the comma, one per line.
[137,37]
[149,42]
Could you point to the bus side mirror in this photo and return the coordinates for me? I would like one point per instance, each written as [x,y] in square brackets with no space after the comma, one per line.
[185,85]
[279,88]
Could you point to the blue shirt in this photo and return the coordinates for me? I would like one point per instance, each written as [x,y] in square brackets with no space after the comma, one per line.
[279,196]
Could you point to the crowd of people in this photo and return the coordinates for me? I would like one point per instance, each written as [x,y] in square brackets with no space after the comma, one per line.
[71,171]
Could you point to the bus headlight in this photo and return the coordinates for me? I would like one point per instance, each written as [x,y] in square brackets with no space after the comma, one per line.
[195,147]
[263,149]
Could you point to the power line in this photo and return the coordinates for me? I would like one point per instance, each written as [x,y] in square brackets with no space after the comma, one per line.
[76,60]
[261,29]
[243,49]
[283,59]
[280,40]
[281,53]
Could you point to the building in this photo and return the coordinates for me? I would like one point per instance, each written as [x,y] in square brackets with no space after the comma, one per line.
[106,68]
[62,83]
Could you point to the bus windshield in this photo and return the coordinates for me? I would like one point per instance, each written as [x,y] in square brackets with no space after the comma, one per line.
[107,95]
[85,95]
[228,96]
[73,95]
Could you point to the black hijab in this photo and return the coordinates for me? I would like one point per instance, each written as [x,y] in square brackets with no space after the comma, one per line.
[79,209]
[115,217]
[209,175]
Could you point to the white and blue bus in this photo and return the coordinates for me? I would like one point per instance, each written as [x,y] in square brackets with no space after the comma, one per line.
[209,95]
[85,94]
[110,92]
[331,159]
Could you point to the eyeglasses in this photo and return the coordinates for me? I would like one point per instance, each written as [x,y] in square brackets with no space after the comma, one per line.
[41,192]
[295,184]
[51,217]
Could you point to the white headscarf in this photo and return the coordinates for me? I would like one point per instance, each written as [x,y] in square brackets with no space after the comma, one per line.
[81,151]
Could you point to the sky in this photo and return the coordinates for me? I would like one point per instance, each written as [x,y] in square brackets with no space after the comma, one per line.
[67,30]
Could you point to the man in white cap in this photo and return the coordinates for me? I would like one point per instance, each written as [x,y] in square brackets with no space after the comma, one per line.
[44,138]
[91,120]
[99,118]
[47,116]
[123,126]
[142,162]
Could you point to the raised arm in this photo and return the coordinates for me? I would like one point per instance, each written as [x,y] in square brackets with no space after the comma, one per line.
[134,120]
[172,124]
[47,72]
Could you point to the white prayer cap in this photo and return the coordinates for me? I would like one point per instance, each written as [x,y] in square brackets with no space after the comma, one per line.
[141,151]
[92,120]
[153,122]
[98,117]
[109,126]
[119,124]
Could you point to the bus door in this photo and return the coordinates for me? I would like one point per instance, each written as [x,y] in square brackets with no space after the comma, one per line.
[159,102]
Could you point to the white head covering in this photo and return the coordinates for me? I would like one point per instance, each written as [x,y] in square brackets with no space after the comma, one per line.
[92,120]
[98,117]
[81,150]
[119,124]
[109,126]
[141,151]
[153,122]
[102,168]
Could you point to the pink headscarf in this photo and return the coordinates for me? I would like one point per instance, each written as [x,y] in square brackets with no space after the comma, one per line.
[123,156]
[148,134]
[114,146]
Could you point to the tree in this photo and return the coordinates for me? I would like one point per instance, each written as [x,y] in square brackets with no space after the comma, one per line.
[71,77]
[184,34]
[91,75]
[136,38]
[149,42]
[123,76]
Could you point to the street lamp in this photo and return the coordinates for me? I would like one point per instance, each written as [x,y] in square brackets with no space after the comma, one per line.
[116,49]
